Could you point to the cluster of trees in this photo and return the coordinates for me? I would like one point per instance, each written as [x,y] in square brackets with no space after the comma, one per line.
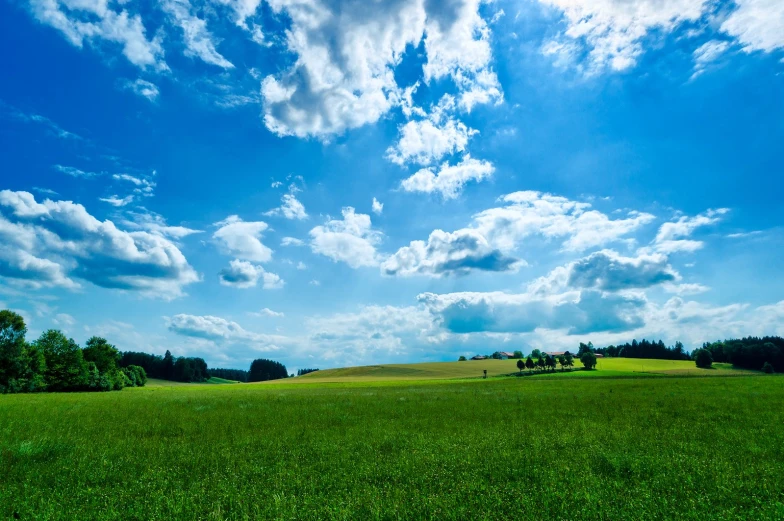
[262,370]
[766,353]
[55,362]
[300,372]
[642,349]
[545,362]
[168,367]
[239,375]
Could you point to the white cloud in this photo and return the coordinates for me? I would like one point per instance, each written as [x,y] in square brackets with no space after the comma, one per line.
[267,312]
[351,239]
[117,202]
[757,25]
[530,213]
[143,219]
[449,180]
[143,187]
[706,54]
[445,253]
[143,88]
[64,319]
[94,21]
[343,76]
[242,239]
[291,241]
[199,41]
[75,172]
[377,206]
[606,270]
[54,242]
[222,331]
[290,208]
[427,140]
[243,9]
[315,282]
[243,274]
[673,236]
[301,266]
[614,30]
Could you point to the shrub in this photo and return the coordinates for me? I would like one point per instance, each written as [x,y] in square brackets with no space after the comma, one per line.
[461,359]
[588,359]
[704,359]
[768,368]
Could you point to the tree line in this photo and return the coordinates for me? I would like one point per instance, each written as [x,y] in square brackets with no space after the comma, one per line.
[54,362]
[168,367]
[642,349]
[300,372]
[765,353]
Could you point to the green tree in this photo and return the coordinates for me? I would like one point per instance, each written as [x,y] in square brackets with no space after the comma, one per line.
[540,363]
[529,363]
[537,354]
[518,354]
[768,368]
[703,359]
[168,366]
[66,369]
[461,359]
[562,361]
[14,364]
[105,356]
[588,359]
[551,363]
[569,359]
[520,364]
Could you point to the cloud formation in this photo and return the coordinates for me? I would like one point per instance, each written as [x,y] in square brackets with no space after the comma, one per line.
[56,243]
[242,239]
[448,180]
[351,240]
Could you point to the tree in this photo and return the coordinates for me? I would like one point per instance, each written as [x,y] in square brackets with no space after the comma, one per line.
[540,363]
[262,370]
[66,369]
[569,359]
[585,348]
[588,359]
[518,354]
[529,363]
[14,360]
[768,368]
[461,359]
[103,354]
[167,370]
[520,364]
[562,362]
[536,354]
[704,359]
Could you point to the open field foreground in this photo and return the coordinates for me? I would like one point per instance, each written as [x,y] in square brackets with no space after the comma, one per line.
[474,368]
[512,448]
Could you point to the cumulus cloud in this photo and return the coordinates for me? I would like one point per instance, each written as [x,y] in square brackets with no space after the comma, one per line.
[143,88]
[56,243]
[377,206]
[608,271]
[530,213]
[291,241]
[290,208]
[343,75]
[242,239]
[351,239]
[445,253]
[199,41]
[449,180]
[427,140]
[578,312]
[243,274]
[220,330]
[674,236]
[95,22]
[143,219]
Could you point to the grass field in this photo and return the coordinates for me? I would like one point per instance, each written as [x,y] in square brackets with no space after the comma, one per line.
[474,368]
[501,448]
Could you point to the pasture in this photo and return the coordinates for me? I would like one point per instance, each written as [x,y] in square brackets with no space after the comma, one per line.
[501,448]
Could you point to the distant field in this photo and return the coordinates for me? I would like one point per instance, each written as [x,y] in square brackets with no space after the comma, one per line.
[154,382]
[474,368]
[502,448]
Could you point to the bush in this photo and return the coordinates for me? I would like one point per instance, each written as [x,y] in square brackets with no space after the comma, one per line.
[461,359]
[703,358]
[768,368]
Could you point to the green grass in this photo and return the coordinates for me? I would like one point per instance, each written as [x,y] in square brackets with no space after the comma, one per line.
[474,368]
[502,448]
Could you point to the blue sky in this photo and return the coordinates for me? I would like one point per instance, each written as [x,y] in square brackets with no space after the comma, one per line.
[330,183]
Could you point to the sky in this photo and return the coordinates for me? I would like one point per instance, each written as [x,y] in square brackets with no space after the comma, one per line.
[342,182]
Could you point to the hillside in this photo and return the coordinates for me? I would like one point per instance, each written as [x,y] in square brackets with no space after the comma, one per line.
[475,368]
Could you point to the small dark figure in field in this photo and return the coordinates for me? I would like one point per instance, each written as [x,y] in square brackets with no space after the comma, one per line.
[485,372]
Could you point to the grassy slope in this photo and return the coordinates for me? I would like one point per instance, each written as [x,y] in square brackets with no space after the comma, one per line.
[474,368]
[653,448]
[154,382]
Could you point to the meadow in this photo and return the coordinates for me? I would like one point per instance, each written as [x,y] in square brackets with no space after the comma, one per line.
[667,447]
